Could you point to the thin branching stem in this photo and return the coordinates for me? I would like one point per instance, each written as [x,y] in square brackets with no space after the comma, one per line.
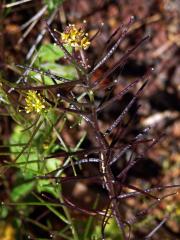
[119,119]
[122,60]
[113,49]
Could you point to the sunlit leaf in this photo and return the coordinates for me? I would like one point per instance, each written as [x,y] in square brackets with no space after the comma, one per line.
[50,53]
[21,191]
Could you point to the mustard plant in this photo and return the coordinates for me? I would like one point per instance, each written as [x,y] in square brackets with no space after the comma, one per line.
[56,104]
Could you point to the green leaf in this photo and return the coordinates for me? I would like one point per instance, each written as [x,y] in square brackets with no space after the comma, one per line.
[53,4]
[21,191]
[44,185]
[52,164]
[3,211]
[19,138]
[50,53]
[31,159]
[31,162]
[40,78]
[67,71]
[111,231]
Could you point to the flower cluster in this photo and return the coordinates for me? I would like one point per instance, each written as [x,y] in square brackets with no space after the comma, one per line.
[75,37]
[34,102]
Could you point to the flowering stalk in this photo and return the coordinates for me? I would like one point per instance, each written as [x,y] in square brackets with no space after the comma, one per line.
[107,152]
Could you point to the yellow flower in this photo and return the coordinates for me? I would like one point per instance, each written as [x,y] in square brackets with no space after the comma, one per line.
[34,102]
[7,232]
[75,37]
